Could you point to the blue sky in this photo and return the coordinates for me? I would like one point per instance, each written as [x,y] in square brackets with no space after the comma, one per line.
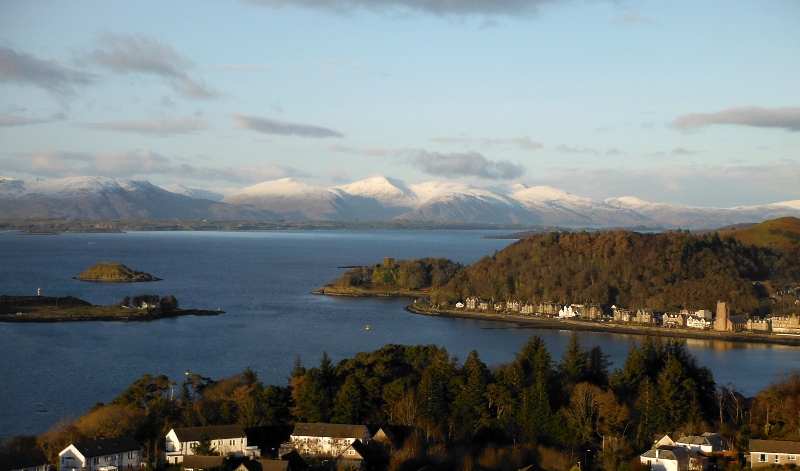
[675,101]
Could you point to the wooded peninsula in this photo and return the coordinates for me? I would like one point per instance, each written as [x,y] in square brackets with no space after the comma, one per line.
[754,270]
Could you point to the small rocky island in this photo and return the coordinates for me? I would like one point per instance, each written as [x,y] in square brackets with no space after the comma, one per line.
[70,309]
[114,272]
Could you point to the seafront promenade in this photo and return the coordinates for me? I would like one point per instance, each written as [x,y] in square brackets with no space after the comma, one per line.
[522,321]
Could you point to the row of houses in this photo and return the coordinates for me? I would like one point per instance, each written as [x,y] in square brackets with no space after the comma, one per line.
[691,453]
[345,446]
[342,446]
[702,319]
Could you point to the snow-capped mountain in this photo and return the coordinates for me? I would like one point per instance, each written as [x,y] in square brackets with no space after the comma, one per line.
[376,198]
[106,198]
[293,200]
[194,193]
[692,217]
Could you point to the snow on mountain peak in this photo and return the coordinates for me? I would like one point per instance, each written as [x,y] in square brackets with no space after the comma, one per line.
[387,191]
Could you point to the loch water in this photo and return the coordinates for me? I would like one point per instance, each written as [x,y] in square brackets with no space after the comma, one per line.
[262,280]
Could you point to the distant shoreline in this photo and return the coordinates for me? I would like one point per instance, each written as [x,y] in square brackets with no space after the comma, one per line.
[44,309]
[551,323]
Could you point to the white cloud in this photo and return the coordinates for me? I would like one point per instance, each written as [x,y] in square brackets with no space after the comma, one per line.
[449,165]
[282,128]
[465,164]
[782,118]
[25,69]
[142,54]
[512,8]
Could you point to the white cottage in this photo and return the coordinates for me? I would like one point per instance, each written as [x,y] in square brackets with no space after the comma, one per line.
[324,440]
[666,458]
[113,454]
[228,440]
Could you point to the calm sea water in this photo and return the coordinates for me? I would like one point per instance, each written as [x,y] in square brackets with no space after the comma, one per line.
[263,282]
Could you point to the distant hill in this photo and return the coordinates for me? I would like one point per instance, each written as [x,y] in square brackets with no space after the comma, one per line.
[782,232]
[109,198]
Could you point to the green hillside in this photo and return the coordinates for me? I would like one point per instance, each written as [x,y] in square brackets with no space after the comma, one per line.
[781,232]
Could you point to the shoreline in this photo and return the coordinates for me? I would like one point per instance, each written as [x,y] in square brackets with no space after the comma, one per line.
[33,317]
[549,323]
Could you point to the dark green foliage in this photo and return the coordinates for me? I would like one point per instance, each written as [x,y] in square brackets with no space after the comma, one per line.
[416,274]
[664,272]
[575,361]
[204,447]
[462,416]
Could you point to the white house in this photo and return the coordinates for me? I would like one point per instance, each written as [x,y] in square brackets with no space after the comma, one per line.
[113,454]
[228,440]
[324,440]
[666,458]
[695,322]
[705,443]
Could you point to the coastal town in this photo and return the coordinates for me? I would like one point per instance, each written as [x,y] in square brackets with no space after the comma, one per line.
[341,447]
[720,320]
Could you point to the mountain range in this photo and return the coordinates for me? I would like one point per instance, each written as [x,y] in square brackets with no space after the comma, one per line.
[377,198]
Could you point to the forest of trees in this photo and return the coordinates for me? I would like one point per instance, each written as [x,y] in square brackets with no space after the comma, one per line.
[464,416]
[664,272]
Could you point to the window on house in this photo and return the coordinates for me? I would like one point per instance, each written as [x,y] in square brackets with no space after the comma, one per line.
[762,458]
[777,458]
[792,457]
[351,452]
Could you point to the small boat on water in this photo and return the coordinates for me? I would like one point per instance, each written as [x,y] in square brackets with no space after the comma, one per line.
[367,326]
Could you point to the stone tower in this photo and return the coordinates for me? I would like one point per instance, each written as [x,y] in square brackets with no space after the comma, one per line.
[723,313]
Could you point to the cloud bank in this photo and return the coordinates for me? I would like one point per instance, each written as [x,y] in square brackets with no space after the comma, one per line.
[435,7]
[783,118]
[25,69]
[7,120]
[281,128]
[141,54]
[467,164]
[141,163]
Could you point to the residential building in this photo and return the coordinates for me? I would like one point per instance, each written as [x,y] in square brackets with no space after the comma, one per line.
[353,457]
[695,322]
[324,440]
[646,317]
[113,454]
[228,440]
[705,443]
[672,319]
[786,325]
[621,315]
[548,309]
[24,461]
[666,458]
[765,453]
